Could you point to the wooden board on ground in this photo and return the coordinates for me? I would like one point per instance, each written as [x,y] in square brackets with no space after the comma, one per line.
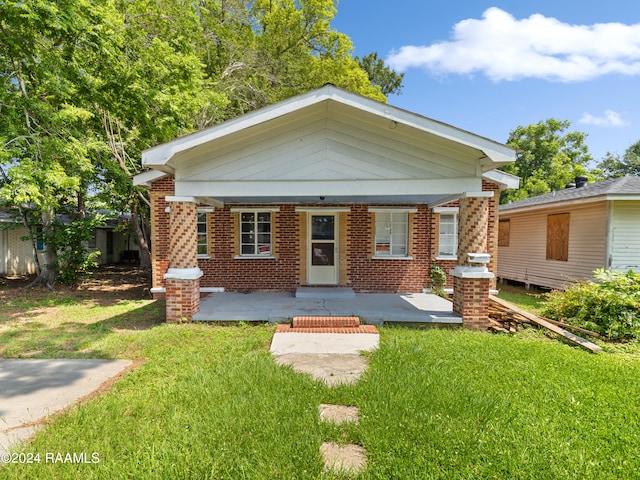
[592,347]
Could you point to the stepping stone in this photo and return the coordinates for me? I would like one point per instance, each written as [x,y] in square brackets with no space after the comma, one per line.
[338,413]
[344,458]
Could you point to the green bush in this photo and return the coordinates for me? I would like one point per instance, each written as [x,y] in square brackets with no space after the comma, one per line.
[438,280]
[609,305]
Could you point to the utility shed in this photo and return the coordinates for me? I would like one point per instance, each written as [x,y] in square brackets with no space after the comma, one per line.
[554,239]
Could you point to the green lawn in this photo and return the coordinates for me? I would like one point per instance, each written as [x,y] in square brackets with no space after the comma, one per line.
[210,402]
[531,300]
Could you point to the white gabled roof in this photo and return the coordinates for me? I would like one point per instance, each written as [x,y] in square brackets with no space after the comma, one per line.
[494,154]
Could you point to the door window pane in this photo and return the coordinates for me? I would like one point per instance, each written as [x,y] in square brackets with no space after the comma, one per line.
[322,227]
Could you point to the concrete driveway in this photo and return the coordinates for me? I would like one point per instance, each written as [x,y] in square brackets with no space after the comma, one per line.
[31,390]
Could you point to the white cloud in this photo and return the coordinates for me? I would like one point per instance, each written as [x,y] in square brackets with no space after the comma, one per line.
[504,48]
[609,119]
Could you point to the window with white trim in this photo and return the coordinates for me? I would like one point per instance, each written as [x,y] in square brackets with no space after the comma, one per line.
[448,235]
[255,233]
[392,232]
[203,237]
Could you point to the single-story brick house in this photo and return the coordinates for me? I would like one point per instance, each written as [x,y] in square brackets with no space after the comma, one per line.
[325,188]
[552,240]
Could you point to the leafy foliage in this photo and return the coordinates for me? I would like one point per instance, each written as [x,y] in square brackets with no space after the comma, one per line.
[73,260]
[86,86]
[616,166]
[609,305]
[389,81]
[550,158]
[438,279]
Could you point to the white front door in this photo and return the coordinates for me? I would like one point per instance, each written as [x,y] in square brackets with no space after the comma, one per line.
[322,264]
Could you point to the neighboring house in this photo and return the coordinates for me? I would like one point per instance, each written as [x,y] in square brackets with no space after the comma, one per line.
[16,256]
[554,239]
[327,188]
[16,253]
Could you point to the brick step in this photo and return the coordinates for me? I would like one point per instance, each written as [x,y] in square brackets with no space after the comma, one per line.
[317,322]
[287,328]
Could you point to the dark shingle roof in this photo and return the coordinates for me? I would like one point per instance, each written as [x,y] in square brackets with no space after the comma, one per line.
[611,186]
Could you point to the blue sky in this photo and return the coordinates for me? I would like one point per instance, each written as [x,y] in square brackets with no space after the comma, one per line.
[489,66]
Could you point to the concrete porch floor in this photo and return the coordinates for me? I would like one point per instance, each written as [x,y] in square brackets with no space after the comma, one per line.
[373,308]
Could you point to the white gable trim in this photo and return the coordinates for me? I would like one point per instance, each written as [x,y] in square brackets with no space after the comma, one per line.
[495,153]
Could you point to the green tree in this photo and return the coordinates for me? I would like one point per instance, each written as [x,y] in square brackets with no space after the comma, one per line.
[154,89]
[87,85]
[389,81]
[549,158]
[46,147]
[268,50]
[629,164]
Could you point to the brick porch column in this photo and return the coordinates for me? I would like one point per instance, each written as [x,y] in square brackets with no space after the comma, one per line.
[182,279]
[471,278]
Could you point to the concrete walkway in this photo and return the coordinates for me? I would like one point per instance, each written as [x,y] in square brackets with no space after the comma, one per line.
[373,308]
[32,389]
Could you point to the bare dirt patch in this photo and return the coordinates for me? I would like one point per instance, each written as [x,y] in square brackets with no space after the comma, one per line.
[127,281]
[348,458]
[338,413]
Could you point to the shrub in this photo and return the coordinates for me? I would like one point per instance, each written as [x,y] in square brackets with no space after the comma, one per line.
[609,305]
[438,280]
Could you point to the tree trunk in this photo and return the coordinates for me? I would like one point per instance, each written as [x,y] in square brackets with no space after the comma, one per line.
[145,253]
[46,276]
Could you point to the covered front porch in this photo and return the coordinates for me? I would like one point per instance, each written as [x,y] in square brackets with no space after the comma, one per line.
[372,308]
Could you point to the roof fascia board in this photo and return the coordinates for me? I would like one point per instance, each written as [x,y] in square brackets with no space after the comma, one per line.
[504,179]
[559,203]
[147,178]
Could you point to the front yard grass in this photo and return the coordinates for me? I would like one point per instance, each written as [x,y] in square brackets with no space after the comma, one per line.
[210,402]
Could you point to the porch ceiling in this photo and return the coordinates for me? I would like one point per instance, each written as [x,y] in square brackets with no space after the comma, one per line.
[430,200]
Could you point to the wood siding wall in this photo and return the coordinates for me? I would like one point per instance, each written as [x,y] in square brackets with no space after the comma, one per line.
[624,237]
[524,260]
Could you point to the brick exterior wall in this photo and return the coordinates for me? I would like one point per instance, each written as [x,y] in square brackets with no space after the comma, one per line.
[492,230]
[183,238]
[386,275]
[287,269]
[183,299]
[223,269]
[160,229]
[473,218]
[471,301]
[478,232]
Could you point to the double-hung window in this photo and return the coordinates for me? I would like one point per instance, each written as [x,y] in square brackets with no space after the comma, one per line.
[255,234]
[447,232]
[203,238]
[392,233]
